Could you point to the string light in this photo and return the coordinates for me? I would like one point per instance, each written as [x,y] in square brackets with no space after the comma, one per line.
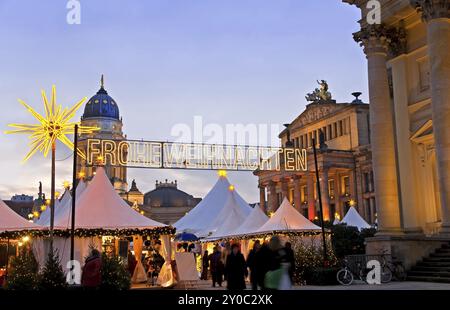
[95,232]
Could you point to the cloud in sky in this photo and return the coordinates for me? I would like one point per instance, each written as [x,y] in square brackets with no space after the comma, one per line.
[234,61]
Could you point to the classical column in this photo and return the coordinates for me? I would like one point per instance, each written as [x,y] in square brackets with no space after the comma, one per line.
[272,197]
[337,195]
[436,14]
[375,44]
[410,198]
[311,200]
[262,197]
[325,195]
[297,194]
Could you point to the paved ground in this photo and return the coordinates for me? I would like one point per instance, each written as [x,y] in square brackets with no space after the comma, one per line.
[206,285]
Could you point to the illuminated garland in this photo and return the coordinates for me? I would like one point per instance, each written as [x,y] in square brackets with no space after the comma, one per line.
[81,232]
[269,234]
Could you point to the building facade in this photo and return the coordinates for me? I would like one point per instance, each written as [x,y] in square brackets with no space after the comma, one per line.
[408,57]
[167,204]
[102,111]
[341,134]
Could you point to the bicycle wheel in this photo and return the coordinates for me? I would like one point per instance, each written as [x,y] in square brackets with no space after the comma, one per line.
[400,273]
[386,275]
[344,277]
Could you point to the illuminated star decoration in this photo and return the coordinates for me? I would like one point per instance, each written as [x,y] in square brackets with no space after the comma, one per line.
[54,126]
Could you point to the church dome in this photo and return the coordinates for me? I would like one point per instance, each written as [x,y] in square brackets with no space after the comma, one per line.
[101,105]
[168,195]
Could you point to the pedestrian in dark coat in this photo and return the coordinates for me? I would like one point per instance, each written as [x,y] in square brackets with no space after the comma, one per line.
[216,267]
[236,269]
[252,265]
[263,259]
[92,270]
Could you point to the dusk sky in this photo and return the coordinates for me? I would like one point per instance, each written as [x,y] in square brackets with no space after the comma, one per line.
[166,61]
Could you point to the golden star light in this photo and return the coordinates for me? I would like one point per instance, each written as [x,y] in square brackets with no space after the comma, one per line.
[55,125]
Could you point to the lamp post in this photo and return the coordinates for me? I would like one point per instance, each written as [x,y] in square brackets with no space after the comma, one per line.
[52,197]
[74,192]
[319,194]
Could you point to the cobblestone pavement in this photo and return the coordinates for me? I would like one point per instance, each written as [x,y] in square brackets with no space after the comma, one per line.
[407,285]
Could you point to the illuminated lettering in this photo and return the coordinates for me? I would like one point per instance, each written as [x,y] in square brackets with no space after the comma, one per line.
[146,154]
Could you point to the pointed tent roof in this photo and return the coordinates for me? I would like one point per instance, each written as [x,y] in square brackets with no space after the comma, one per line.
[352,218]
[287,219]
[228,220]
[199,219]
[252,222]
[61,204]
[101,207]
[11,221]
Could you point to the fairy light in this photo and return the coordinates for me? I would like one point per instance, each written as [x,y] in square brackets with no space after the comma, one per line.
[55,125]
[231,188]
[66,184]
[222,173]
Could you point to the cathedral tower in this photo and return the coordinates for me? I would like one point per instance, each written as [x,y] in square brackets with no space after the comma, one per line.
[102,111]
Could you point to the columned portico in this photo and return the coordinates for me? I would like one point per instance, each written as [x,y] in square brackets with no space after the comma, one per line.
[325,194]
[375,44]
[311,200]
[297,193]
[436,14]
[262,197]
[272,197]
[284,188]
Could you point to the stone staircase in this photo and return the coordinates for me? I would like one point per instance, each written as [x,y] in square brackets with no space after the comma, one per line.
[434,268]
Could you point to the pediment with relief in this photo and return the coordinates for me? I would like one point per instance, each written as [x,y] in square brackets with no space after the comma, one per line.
[315,112]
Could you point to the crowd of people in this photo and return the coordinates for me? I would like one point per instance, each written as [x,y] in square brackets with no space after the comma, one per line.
[266,264]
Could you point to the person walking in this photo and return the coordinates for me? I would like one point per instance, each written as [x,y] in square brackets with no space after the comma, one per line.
[277,277]
[205,265]
[251,264]
[262,263]
[92,271]
[216,266]
[236,269]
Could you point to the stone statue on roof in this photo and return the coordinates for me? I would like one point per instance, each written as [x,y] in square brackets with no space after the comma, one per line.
[319,95]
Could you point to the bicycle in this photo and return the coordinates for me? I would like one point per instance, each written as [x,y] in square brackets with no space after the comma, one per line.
[392,268]
[346,275]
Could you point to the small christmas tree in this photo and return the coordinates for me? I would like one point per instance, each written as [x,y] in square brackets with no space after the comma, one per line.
[114,274]
[52,276]
[23,272]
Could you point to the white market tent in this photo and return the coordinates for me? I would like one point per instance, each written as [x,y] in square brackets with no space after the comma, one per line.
[287,219]
[11,221]
[352,218]
[61,204]
[230,218]
[204,218]
[253,222]
[100,207]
